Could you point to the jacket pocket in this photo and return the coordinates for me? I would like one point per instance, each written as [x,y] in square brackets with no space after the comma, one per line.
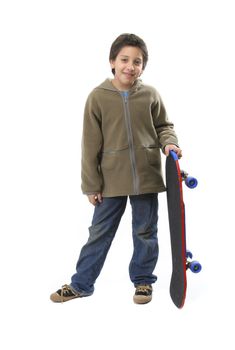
[153,155]
[109,160]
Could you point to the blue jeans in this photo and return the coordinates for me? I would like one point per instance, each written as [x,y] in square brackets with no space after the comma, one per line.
[106,219]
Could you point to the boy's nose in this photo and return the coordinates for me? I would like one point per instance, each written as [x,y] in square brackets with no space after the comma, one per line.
[131,67]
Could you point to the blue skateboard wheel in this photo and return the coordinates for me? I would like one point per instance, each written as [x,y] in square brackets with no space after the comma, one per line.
[191,182]
[195,266]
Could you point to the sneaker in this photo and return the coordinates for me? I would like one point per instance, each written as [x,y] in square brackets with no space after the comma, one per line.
[64,294]
[143,294]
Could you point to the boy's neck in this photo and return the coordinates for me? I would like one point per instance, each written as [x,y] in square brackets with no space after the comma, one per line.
[118,87]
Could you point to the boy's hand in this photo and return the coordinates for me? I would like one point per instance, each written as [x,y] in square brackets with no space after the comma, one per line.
[174,148]
[95,198]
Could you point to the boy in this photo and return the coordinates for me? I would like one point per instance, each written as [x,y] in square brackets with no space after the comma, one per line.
[125,125]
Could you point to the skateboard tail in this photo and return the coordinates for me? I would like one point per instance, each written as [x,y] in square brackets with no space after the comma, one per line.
[177,300]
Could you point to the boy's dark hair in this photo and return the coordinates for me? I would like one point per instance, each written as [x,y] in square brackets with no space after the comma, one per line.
[127,39]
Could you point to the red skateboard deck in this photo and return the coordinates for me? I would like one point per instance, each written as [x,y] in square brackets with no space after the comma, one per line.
[176,214]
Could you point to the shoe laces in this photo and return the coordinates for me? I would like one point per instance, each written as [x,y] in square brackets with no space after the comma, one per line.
[66,290]
[143,288]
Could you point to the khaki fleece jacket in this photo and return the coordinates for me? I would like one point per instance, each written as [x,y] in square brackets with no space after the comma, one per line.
[122,137]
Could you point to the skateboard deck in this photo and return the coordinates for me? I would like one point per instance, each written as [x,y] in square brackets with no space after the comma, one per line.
[176,214]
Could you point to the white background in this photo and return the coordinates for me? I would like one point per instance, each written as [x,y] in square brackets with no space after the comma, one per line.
[52,54]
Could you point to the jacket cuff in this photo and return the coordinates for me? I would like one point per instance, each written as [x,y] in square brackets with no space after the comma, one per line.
[90,193]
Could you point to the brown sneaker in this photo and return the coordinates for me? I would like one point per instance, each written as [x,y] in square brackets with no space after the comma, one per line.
[143,294]
[64,294]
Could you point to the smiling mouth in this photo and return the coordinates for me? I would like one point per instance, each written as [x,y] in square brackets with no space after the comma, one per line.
[129,75]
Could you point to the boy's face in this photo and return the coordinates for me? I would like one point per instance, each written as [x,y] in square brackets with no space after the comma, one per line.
[128,67]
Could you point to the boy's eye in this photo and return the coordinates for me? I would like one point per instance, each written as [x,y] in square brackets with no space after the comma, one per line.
[136,62]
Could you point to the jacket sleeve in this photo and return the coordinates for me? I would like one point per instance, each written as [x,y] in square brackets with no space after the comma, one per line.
[163,126]
[92,141]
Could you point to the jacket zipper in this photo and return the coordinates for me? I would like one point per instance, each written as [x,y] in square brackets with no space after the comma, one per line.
[130,142]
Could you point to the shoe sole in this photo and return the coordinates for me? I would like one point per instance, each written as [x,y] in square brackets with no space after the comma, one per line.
[141,299]
[56,298]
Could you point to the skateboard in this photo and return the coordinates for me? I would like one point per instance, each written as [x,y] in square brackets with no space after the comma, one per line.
[181,257]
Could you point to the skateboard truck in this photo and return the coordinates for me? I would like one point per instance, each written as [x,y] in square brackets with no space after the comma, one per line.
[190,182]
[194,266]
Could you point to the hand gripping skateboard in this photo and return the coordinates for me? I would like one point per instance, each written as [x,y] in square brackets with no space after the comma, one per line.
[176,213]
